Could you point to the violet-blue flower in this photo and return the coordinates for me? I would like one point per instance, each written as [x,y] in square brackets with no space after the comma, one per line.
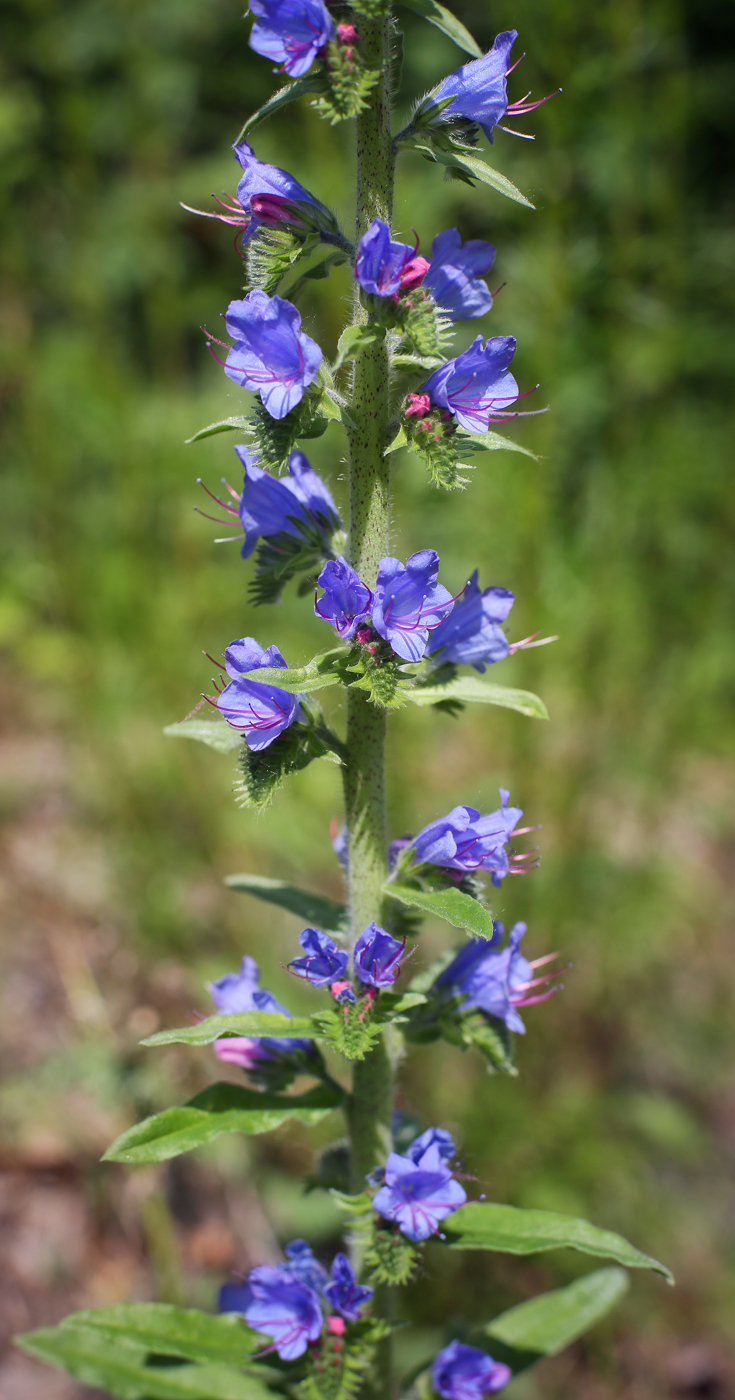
[241,991]
[279,506]
[465,840]
[479,88]
[344,1294]
[462,1372]
[455,275]
[409,602]
[283,1308]
[438,1137]
[497,980]
[472,634]
[476,386]
[268,194]
[346,600]
[323,962]
[261,712]
[271,356]
[381,262]
[418,1195]
[377,957]
[291,32]
[304,1265]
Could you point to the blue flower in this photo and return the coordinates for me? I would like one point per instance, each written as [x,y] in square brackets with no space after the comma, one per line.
[240,991]
[260,711]
[346,601]
[433,1137]
[409,602]
[291,32]
[465,840]
[344,1293]
[272,189]
[324,962]
[476,386]
[377,957]
[304,1266]
[479,87]
[271,356]
[497,980]
[273,506]
[472,635]
[275,1302]
[418,1195]
[454,275]
[461,1372]
[381,262]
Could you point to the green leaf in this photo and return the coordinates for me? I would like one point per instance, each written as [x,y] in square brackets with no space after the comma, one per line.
[121,1368]
[353,340]
[221,1108]
[513,1231]
[485,692]
[302,680]
[447,22]
[476,169]
[216,733]
[170,1331]
[225,425]
[400,440]
[290,93]
[314,909]
[544,1326]
[494,442]
[253,1023]
[458,909]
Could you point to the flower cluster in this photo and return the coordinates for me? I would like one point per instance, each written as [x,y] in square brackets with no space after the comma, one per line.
[386,268]
[264,1059]
[376,961]
[286,1301]
[418,1188]
[496,980]
[406,604]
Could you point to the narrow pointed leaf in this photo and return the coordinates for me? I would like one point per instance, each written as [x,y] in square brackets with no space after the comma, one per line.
[400,440]
[302,680]
[290,93]
[171,1331]
[494,442]
[472,688]
[120,1368]
[215,733]
[545,1325]
[253,1023]
[225,425]
[477,169]
[512,1231]
[222,1108]
[458,909]
[447,22]
[314,909]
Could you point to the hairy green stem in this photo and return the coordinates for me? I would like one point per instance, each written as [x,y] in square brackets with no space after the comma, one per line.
[371,1104]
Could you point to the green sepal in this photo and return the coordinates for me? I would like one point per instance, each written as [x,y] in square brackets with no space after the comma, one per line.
[313,82]
[474,689]
[456,908]
[347,80]
[546,1325]
[247,1023]
[261,772]
[482,1225]
[273,439]
[390,1257]
[350,1028]
[380,674]
[123,1369]
[270,253]
[478,1031]
[447,22]
[221,1108]
[314,909]
[217,734]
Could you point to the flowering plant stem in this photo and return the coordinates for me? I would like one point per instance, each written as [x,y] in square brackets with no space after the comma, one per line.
[371,1103]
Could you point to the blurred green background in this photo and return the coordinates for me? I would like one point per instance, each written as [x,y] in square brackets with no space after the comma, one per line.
[619,289]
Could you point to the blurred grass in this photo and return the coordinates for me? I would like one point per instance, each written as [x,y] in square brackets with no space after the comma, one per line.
[619,290]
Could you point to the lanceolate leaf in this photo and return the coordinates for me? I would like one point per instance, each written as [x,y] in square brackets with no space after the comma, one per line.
[222,1108]
[216,733]
[512,1231]
[236,1023]
[494,442]
[312,908]
[312,83]
[315,675]
[473,688]
[456,908]
[447,22]
[121,1368]
[545,1325]
[477,169]
[225,425]
[170,1331]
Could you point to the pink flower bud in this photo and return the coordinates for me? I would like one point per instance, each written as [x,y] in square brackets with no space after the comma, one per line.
[415,271]
[336,1325]
[346,33]
[417,405]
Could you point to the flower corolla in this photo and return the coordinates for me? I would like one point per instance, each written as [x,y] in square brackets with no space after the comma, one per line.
[323,962]
[476,386]
[381,262]
[283,505]
[271,356]
[461,1372]
[455,274]
[472,634]
[241,991]
[261,712]
[344,1293]
[479,87]
[466,841]
[409,602]
[346,600]
[418,1195]
[290,32]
